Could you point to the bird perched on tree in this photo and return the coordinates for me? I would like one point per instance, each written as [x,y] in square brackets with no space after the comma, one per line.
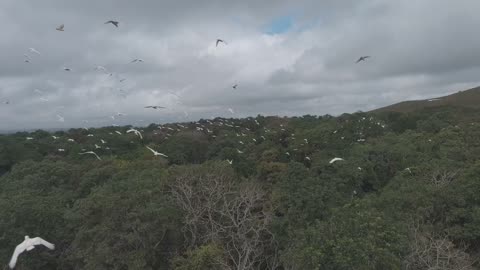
[112,22]
[28,244]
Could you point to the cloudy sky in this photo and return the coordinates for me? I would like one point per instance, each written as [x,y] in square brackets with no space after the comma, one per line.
[287,57]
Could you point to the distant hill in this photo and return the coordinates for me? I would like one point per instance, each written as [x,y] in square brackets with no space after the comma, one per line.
[467,99]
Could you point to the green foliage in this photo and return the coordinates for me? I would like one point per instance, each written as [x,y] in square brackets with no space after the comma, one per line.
[206,257]
[351,238]
[280,197]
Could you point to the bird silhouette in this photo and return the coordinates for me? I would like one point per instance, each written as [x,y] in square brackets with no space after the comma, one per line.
[362,58]
[112,22]
[220,40]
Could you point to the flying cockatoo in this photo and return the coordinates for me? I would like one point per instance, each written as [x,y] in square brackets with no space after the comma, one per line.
[28,244]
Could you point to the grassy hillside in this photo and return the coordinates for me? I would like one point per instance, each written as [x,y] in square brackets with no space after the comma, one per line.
[467,99]
[254,193]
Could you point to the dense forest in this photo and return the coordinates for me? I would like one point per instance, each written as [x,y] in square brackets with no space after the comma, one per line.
[253,193]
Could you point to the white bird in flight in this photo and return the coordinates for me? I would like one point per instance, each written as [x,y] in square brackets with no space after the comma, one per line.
[102,68]
[231,110]
[91,153]
[60,118]
[28,244]
[155,153]
[335,159]
[230,161]
[136,132]
[34,51]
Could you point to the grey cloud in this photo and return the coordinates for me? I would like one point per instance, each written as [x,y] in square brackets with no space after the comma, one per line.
[418,50]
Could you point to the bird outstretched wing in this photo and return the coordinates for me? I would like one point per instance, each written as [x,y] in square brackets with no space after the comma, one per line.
[112,22]
[153,151]
[39,241]
[18,250]
[220,40]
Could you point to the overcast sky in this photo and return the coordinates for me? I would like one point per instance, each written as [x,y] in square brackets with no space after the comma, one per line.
[287,57]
